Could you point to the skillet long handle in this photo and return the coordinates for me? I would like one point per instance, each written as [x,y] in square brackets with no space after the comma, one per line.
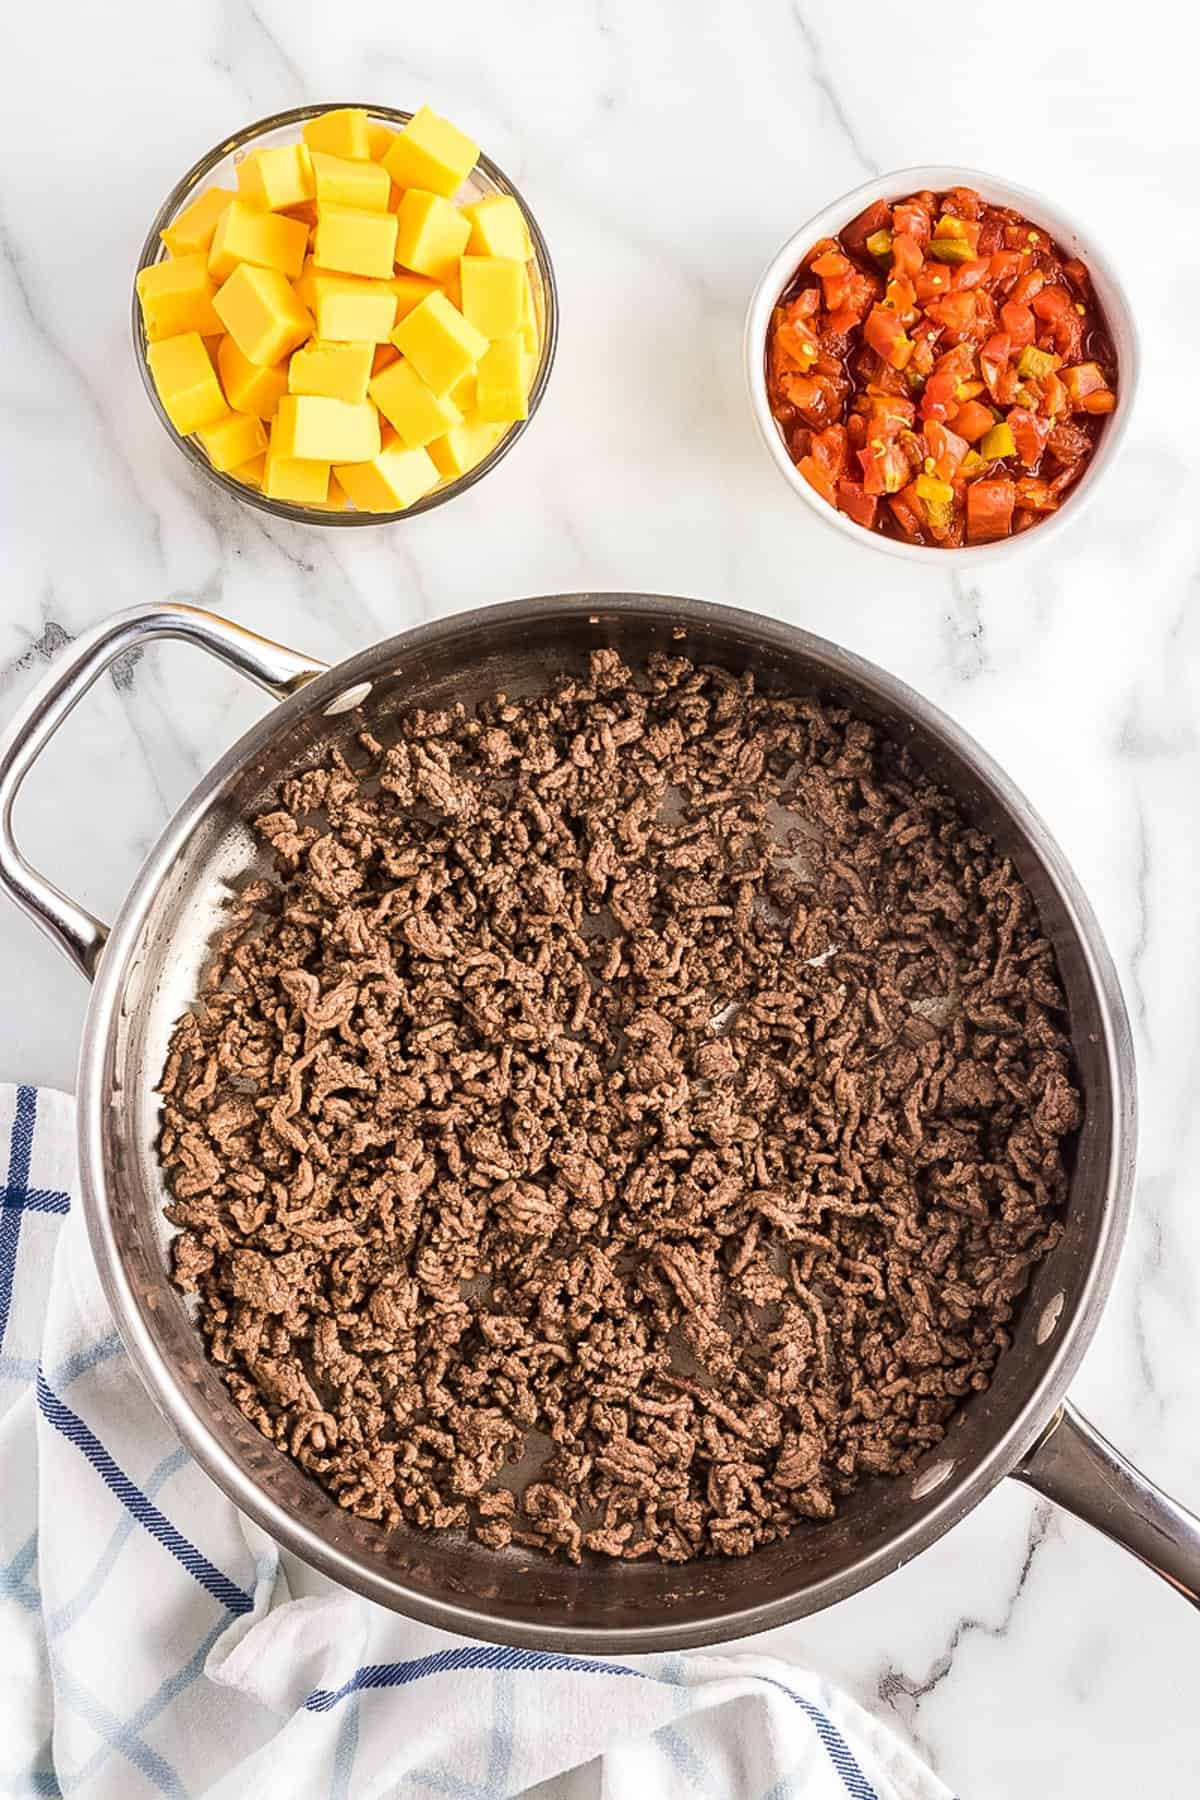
[1076,1467]
[79,935]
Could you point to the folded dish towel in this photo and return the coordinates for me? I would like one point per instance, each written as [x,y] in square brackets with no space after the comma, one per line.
[149,1643]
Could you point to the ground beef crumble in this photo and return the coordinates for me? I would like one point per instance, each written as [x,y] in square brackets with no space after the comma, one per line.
[624,1120]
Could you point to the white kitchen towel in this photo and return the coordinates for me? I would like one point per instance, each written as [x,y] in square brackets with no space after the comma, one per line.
[149,1644]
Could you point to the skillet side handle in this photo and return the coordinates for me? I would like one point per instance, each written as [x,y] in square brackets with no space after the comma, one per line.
[1077,1468]
[79,935]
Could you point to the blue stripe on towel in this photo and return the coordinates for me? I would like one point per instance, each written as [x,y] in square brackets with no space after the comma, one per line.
[232,1597]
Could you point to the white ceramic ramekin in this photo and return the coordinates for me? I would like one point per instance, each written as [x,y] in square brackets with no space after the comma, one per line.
[1041,211]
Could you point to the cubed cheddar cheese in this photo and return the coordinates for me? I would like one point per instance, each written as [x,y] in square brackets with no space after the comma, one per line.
[193,228]
[276,176]
[463,447]
[250,387]
[410,290]
[318,428]
[186,382]
[343,182]
[176,296]
[244,234]
[432,234]
[353,241]
[370,337]
[412,408]
[498,228]
[351,310]
[440,344]
[341,371]
[502,382]
[380,139]
[463,392]
[344,132]
[232,440]
[431,153]
[492,293]
[397,477]
[250,474]
[262,313]
[336,500]
[289,478]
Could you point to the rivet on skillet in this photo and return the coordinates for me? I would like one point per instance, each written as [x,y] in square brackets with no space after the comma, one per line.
[353,696]
[931,1478]
[1049,1316]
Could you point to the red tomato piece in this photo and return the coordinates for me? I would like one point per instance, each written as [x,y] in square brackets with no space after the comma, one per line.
[970,274]
[906,254]
[906,509]
[1051,302]
[1084,379]
[830,262]
[1102,401]
[1017,320]
[946,448]
[956,313]
[1005,265]
[857,504]
[884,466]
[1029,435]
[885,333]
[993,358]
[972,420]
[940,395]
[989,510]
[1027,286]
[913,219]
[876,217]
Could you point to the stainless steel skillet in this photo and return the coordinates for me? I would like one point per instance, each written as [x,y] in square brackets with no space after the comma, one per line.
[144,970]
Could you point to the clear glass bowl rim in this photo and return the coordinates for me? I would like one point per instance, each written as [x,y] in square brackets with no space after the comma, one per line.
[152,251]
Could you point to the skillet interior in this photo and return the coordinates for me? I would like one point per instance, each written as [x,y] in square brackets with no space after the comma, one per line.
[149,973]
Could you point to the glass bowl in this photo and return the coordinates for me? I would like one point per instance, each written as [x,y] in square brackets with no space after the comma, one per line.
[218,167]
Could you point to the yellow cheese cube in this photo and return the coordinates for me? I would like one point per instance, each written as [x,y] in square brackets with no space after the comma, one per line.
[250,474]
[233,440]
[186,382]
[463,447]
[346,132]
[380,139]
[418,414]
[266,239]
[276,176]
[318,428]
[463,392]
[391,481]
[439,343]
[409,290]
[287,478]
[193,228]
[250,387]
[353,241]
[498,228]
[502,381]
[177,295]
[432,234]
[340,370]
[350,310]
[336,500]
[492,289]
[262,313]
[431,153]
[341,182]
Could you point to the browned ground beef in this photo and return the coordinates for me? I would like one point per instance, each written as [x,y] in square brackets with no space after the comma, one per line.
[655,1083]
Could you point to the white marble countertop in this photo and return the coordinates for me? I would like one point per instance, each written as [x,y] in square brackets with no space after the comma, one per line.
[666,151]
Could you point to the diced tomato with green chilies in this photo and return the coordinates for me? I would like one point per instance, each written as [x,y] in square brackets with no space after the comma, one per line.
[943,355]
